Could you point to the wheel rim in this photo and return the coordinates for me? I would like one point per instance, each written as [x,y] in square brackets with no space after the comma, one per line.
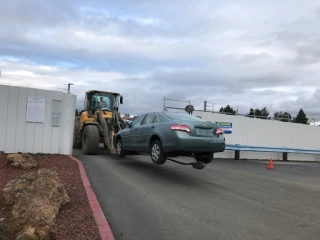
[119,148]
[155,152]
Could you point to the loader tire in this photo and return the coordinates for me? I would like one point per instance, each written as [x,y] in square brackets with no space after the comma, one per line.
[90,140]
[76,133]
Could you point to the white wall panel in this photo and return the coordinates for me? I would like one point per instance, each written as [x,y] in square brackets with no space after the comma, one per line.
[68,120]
[21,119]
[47,129]
[38,128]
[12,114]
[4,93]
[56,132]
[17,135]
[29,134]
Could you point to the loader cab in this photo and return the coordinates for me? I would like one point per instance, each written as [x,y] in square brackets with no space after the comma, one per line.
[100,100]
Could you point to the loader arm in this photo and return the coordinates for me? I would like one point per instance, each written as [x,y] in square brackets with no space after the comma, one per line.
[109,131]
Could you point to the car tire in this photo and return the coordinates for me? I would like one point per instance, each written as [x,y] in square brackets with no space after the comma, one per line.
[119,149]
[90,140]
[157,154]
[206,158]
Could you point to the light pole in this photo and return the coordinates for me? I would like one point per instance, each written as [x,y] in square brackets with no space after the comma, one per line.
[69,84]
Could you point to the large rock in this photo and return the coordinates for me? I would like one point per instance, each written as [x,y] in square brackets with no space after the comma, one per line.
[21,160]
[36,199]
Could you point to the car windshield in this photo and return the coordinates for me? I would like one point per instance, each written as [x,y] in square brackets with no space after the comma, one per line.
[182,116]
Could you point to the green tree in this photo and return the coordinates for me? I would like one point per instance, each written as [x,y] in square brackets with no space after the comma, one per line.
[257,112]
[227,109]
[301,117]
[282,116]
[77,112]
[264,112]
[251,113]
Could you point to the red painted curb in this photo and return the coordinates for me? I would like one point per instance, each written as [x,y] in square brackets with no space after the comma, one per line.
[101,221]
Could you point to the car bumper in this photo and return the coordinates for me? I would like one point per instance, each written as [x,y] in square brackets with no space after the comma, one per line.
[195,144]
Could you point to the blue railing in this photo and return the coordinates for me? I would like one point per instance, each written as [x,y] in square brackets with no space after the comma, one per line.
[270,149]
[238,147]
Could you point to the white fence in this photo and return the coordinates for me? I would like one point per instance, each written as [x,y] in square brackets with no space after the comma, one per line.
[52,135]
[267,133]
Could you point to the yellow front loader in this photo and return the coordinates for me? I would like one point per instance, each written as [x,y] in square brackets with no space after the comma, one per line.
[98,122]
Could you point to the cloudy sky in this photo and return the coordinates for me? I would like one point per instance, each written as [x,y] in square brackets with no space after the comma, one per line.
[239,52]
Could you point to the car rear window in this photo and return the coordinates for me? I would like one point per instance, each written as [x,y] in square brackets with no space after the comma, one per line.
[182,116]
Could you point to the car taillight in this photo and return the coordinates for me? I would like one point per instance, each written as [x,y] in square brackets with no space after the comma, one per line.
[219,131]
[178,127]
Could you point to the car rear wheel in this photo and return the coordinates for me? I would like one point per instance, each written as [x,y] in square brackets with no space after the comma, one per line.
[205,157]
[157,155]
[119,149]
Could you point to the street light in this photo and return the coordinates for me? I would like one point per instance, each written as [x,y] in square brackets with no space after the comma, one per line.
[69,84]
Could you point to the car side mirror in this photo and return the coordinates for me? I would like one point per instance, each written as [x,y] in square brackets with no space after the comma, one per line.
[121,100]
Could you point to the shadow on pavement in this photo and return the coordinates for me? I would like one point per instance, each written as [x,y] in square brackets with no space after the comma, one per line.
[168,174]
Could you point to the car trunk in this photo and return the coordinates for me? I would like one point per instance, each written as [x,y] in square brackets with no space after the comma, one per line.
[201,129]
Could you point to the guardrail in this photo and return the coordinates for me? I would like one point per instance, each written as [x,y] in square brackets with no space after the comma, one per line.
[238,147]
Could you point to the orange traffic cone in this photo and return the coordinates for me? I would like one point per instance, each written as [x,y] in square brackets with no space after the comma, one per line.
[270,164]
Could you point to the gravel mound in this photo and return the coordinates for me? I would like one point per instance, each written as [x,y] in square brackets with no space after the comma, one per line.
[75,219]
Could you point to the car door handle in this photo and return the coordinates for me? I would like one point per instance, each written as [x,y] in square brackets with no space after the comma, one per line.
[153,126]
[136,129]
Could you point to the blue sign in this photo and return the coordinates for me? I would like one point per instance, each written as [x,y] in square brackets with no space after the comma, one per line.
[226,127]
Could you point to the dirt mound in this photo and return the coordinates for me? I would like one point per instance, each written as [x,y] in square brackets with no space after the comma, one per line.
[36,199]
[21,160]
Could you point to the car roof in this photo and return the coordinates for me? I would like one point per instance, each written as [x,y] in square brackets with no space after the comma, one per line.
[163,113]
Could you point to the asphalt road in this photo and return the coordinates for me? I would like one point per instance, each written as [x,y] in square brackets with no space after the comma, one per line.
[226,200]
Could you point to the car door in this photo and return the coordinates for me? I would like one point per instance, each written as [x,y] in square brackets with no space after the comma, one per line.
[130,136]
[145,131]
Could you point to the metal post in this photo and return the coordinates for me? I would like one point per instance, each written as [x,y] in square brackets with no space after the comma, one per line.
[237,155]
[285,156]
[69,84]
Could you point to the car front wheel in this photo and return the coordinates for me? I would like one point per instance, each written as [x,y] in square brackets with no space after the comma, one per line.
[157,155]
[206,158]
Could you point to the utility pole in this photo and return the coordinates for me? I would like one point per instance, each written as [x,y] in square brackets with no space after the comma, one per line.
[69,84]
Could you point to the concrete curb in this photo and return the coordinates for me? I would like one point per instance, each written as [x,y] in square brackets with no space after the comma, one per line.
[101,221]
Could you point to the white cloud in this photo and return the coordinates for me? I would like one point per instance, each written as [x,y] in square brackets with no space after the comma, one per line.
[245,54]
